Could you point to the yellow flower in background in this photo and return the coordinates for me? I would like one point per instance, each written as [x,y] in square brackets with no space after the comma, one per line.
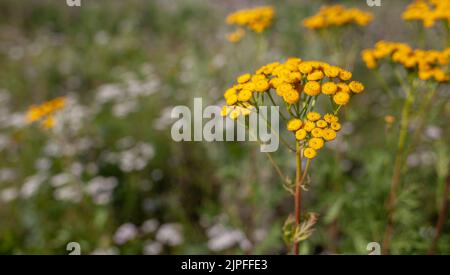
[255,19]
[428,11]
[236,35]
[44,112]
[337,15]
[429,64]
[48,122]
[389,119]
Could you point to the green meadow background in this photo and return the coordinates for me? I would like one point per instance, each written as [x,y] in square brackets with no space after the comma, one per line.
[110,177]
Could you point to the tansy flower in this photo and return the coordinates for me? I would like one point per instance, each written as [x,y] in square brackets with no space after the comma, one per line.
[313,116]
[328,134]
[356,87]
[335,126]
[315,75]
[294,124]
[244,95]
[428,11]
[337,15]
[309,126]
[45,112]
[332,71]
[301,134]
[321,123]
[295,81]
[255,19]
[243,78]
[329,88]
[316,143]
[48,122]
[312,88]
[341,98]
[309,153]
[316,132]
[345,75]
[429,64]
[291,96]
[330,118]
[236,35]
[342,87]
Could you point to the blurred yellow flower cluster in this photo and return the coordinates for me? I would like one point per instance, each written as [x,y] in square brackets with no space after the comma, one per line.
[256,19]
[428,11]
[45,112]
[314,131]
[292,79]
[429,64]
[337,15]
[236,35]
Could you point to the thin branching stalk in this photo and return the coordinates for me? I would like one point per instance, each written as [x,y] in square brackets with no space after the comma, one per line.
[299,179]
[396,177]
[298,191]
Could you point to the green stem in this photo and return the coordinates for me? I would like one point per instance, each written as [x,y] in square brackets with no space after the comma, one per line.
[404,123]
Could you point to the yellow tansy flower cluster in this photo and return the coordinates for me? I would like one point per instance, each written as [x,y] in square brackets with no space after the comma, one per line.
[236,35]
[292,79]
[429,64]
[44,113]
[428,11]
[337,15]
[314,131]
[256,19]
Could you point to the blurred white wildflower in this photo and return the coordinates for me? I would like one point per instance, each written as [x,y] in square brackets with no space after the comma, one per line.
[4,141]
[42,164]
[7,174]
[107,93]
[259,234]
[135,158]
[9,194]
[149,226]
[31,185]
[164,120]
[433,132]
[69,193]
[72,118]
[221,238]
[152,248]
[122,109]
[101,38]
[126,232]
[101,189]
[170,234]
[105,251]
[76,169]
[59,180]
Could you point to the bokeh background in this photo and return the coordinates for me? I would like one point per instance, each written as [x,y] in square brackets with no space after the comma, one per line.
[110,177]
